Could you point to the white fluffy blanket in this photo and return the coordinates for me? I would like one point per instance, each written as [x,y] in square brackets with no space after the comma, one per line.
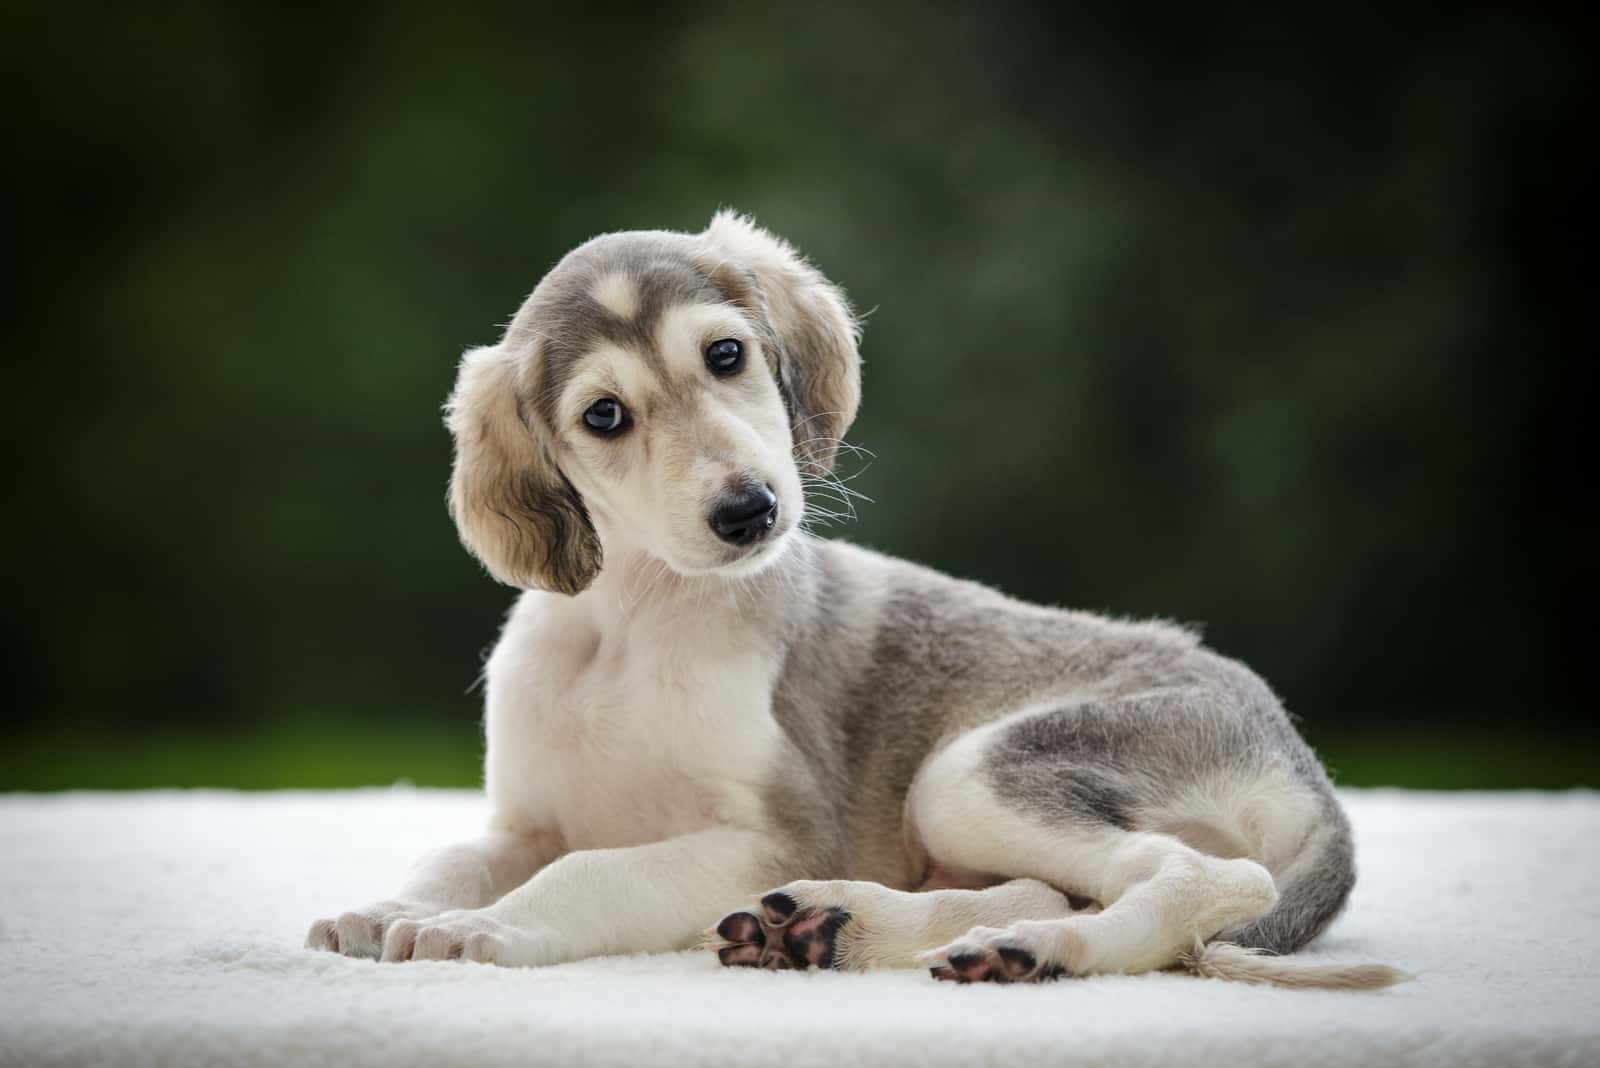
[165,928]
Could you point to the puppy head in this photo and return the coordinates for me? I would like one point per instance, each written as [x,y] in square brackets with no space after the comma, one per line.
[657,390]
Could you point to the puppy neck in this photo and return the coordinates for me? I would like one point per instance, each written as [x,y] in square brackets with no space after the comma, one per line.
[634,584]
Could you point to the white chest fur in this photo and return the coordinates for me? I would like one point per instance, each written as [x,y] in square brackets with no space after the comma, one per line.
[615,729]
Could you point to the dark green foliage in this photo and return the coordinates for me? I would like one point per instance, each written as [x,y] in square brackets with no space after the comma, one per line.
[1256,320]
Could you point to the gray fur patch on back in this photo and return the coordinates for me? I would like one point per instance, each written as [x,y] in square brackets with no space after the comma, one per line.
[885,660]
[1063,765]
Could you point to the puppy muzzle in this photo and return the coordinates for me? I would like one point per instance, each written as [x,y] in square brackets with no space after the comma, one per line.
[746,514]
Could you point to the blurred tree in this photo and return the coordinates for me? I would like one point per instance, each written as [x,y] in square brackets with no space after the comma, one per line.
[1251,319]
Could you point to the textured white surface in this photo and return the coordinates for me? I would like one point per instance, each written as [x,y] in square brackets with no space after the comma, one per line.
[165,928]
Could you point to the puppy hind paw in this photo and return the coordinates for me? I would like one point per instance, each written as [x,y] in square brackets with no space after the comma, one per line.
[987,955]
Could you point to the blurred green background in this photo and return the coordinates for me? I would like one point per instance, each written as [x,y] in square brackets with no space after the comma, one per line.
[1263,320]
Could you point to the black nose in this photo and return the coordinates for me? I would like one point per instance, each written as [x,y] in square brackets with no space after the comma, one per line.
[745,514]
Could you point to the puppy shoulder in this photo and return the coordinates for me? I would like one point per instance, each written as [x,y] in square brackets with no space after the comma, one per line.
[538,626]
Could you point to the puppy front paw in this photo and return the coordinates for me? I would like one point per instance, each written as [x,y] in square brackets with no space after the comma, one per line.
[796,926]
[473,935]
[360,933]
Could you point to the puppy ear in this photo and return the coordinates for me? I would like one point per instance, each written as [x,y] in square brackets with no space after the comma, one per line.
[818,366]
[514,508]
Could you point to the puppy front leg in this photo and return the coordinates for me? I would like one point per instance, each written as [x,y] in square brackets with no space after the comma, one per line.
[465,875]
[648,898]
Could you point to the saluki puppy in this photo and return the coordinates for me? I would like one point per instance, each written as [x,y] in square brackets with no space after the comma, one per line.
[697,703]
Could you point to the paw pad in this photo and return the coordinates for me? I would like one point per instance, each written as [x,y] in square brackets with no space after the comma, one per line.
[779,907]
[1016,962]
[785,936]
[742,927]
[969,961]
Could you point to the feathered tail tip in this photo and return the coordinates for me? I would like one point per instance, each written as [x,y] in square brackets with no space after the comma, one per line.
[1224,960]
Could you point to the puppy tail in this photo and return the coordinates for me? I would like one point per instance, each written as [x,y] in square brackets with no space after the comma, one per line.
[1225,960]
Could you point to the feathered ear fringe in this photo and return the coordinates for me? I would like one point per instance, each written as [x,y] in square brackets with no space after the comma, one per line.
[514,508]
[818,364]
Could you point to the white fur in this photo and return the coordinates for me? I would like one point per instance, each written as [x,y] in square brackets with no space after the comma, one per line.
[893,928]
[612,734]
[617,294]
[609,724]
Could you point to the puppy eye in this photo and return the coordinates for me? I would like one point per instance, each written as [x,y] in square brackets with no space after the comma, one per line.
[606,416]
[724,357]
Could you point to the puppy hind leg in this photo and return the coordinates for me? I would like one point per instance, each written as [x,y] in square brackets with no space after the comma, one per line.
[1160,896]
[1178,899]
[854,926]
